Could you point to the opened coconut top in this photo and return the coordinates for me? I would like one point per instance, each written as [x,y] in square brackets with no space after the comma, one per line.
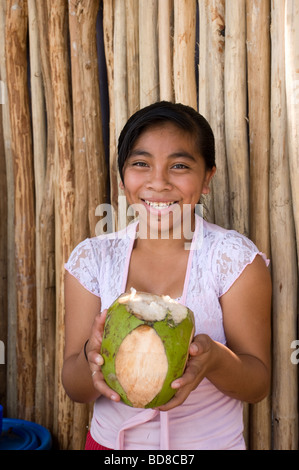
[151,307]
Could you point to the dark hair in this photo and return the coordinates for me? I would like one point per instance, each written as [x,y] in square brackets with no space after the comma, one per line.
[181,115]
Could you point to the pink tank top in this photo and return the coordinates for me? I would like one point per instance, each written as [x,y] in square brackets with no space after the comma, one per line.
[208,419]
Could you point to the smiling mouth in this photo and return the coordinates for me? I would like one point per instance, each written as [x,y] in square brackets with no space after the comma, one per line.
[159,205]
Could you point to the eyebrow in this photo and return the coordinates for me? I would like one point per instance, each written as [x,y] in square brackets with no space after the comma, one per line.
[178,154]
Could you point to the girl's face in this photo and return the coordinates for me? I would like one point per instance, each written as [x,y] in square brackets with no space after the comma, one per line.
[164,174]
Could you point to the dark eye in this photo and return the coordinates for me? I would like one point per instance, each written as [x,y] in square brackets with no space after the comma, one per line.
[138,163]
[180,166]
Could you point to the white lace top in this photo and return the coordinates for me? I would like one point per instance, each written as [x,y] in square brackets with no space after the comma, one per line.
[217,258]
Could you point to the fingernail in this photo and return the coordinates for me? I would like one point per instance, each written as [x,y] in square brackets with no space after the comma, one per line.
[100,360]
[175,385]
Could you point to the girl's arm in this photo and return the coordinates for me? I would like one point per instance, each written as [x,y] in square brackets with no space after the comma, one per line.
[83,321]
[241,369]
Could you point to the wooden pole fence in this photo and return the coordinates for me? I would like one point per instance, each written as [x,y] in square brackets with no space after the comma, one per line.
[285,417]
[258,53]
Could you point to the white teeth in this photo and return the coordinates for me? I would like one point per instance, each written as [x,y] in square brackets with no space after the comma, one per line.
[159,205]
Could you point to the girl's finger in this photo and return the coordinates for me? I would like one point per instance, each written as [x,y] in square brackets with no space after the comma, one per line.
[102,387]
[94,358]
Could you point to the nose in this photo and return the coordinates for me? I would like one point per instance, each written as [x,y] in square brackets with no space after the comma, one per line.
[159,180]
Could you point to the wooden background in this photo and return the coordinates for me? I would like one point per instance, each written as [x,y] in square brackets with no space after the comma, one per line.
[71,74]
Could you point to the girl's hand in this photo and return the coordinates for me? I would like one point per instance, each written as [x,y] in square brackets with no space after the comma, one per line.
[95,360]
[196,369]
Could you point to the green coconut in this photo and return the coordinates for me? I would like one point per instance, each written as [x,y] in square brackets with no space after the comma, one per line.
[145,347]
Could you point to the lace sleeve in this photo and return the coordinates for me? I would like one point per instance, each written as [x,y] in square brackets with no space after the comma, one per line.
[232,255]
[83,266]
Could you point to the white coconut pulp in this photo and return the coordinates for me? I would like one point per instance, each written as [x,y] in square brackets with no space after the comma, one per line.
[141,363]
[151,307]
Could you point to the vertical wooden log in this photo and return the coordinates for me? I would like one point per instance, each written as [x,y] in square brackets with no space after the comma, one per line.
[203,91]
[39,155]
[16,59]
[184,52]
[283,247]
[46,301]
[211,100]
[120,67]
[87,121]
[258,53]
[292,93]
[165,43]
[38,124]
[108,28]
[236,114]
[133,83]
[86,12]
[132,32]
[64,198]
[148,49]
[120,87]
[3,265]
[10,349]
[81,222]
[38,111]
[258,50]
[80,225]
[235,95]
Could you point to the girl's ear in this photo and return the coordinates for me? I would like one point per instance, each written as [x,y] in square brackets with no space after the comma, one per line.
[121,185]
[207,180]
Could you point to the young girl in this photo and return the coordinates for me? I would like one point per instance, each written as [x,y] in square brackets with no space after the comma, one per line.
[166,162]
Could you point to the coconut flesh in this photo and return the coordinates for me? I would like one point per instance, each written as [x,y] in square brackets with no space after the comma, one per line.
[145,347]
